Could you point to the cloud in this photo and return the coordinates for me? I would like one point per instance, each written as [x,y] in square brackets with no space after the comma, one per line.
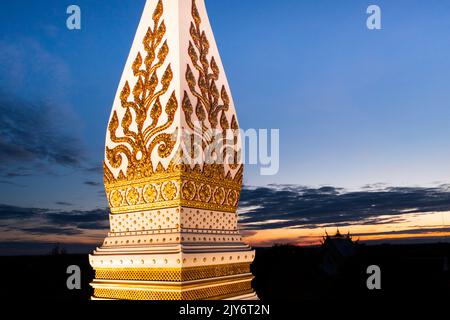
[27,66]
[293,206]
[38,128]
[11,183]
[16,174]
[31,135]
[416,231]
[63,203]
[96,169]
[92,183]
[40,221]
[78,218]
[20,213]
[51,230]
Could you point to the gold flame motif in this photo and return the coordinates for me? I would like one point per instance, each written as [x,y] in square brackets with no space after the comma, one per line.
[145,103]
[210,103]
[141,186]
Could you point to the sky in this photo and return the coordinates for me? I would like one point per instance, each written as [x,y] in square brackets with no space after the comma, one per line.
[363,117]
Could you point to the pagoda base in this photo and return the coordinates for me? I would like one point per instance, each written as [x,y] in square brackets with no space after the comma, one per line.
[173,254]
[178,272]
[230,287]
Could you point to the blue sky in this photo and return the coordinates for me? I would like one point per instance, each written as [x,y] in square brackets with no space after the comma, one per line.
[354,106]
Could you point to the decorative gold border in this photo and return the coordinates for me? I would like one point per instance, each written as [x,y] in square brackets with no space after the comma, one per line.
[222,195]
[172,274]
[211,292]
[142,103]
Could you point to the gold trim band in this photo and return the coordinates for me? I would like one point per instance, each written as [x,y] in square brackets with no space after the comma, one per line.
[214,292]
[172,274]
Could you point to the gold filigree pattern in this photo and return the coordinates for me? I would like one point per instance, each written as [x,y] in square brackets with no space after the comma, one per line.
[205,193]
[213,292]
[212,105]
[149,193]
[116,198]
[132,196]
[189,190]
[232,198]
[141,131]
[219,195]
[169,191]
[172,274]
[211,186]
[141,124]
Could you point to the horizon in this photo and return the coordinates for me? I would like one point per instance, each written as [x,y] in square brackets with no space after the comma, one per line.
[49,249]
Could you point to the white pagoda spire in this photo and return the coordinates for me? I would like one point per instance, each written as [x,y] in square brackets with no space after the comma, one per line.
[171,219]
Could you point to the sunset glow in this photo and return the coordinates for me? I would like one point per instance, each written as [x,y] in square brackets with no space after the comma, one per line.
[414,226]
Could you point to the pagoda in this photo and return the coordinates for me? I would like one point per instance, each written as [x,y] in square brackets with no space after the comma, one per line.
[173,220]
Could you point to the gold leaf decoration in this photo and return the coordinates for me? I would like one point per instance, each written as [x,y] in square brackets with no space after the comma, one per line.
[137,146]
[212,103]
[187,106]
[224,122]
[158,11]
[195,14]
[150,193]
[234,124]
[169,190]
[163,52]
[232,198]
[200,112]
[132,196]
[208,72]
[219,195]
[137,64]
[116,198]
[205,193]
[188,190]
[144,129]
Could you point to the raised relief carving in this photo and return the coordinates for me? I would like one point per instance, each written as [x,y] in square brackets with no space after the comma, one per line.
[142,132]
